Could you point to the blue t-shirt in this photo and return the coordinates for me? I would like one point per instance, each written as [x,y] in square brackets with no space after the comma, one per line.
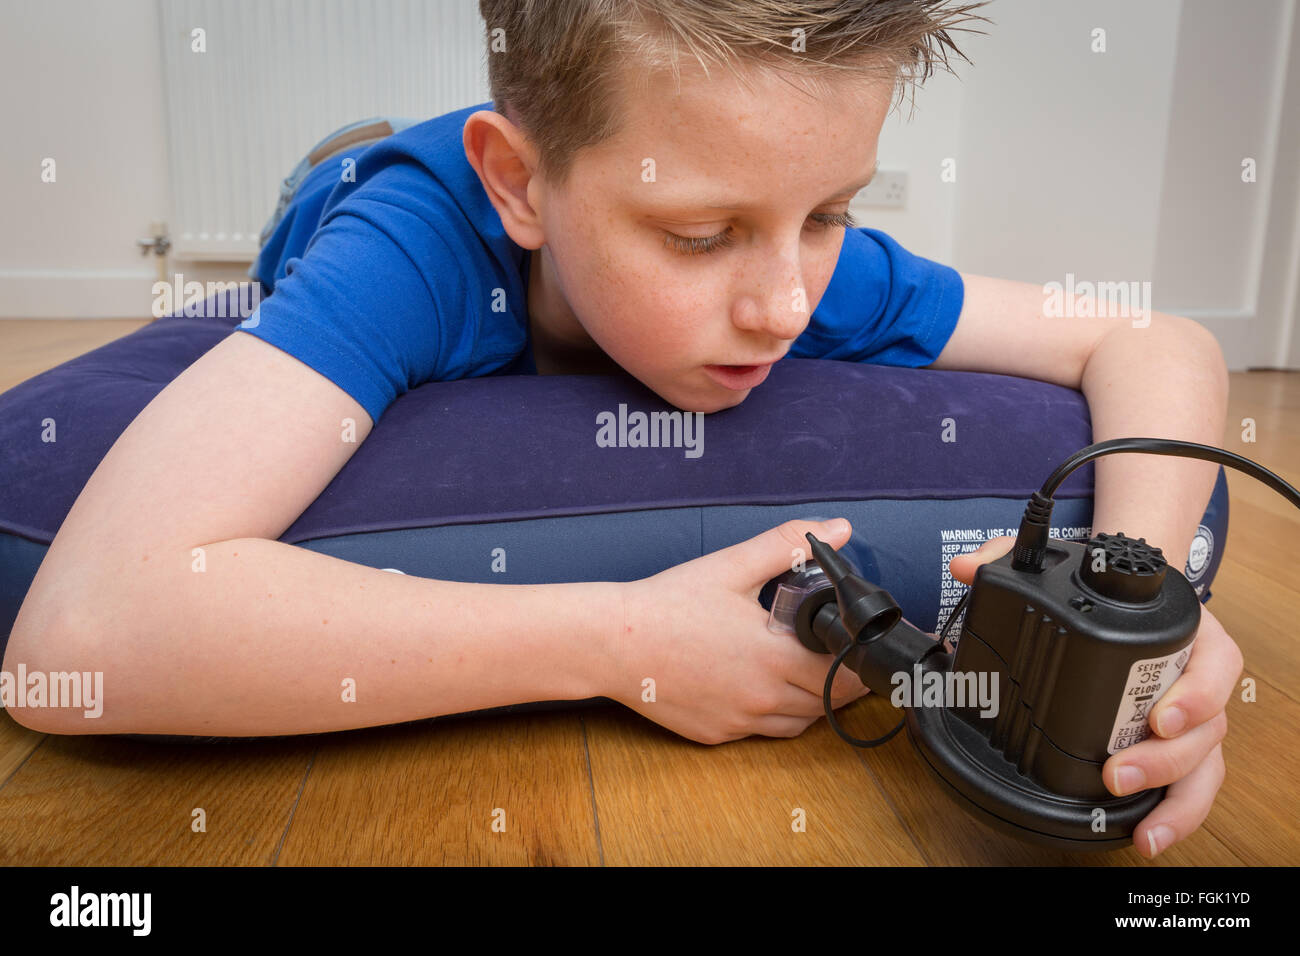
[408,276]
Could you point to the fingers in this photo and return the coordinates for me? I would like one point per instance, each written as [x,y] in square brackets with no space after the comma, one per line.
[963,566]
[806,670]
[1156,762]
[801,695]
[1203,689]
[845,690]
[1186,805]
[783,724]
[809,676]
[749,565]
[776,725]
[794,700]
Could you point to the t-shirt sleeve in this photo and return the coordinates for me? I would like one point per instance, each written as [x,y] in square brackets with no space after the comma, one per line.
[884,305]
[356,307]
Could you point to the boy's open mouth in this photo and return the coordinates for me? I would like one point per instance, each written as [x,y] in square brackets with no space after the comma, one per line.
[738,377]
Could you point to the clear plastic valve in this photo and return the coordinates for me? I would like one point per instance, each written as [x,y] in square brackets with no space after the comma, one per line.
[792,588]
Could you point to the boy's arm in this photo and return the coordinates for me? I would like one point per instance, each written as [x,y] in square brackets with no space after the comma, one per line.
[251,636]
[274,639]
[1144,375]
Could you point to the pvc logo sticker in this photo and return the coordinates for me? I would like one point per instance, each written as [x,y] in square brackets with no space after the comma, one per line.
[1198,558]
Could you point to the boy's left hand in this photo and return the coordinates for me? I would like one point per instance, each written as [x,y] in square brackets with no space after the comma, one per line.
[1188,758]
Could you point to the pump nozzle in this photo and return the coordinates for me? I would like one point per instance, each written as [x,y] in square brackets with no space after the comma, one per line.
[864,629]
[866,611]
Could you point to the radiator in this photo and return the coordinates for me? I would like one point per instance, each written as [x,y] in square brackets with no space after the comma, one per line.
[277,76]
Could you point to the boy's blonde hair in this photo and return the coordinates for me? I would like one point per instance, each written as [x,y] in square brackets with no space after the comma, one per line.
[557,67]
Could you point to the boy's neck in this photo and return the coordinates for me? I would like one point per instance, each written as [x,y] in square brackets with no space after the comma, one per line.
[561,346]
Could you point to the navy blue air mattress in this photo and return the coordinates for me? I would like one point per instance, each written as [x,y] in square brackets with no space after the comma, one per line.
[455,470]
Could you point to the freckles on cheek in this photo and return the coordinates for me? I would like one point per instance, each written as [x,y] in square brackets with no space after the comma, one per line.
[618,272]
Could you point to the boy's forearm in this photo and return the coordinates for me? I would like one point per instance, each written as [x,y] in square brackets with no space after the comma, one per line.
[1164,381]
[274,639]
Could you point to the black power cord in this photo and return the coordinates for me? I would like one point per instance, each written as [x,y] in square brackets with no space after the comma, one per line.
[839,659]
[1031,542]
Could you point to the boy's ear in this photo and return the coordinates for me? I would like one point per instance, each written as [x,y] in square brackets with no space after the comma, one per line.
[506,163]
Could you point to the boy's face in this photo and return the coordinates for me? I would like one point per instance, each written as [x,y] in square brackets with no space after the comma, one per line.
[775,159]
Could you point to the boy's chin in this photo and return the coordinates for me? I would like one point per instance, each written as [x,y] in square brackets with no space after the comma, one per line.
[706,405]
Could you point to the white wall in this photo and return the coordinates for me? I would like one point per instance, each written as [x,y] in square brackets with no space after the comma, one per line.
[917,137]
[1062,149]
[82,85]
[1117,166]
[1275,328]
[1217,250]
[1125,165]
[1220,115]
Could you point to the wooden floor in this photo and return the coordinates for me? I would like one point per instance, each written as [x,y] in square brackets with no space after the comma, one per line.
[604,786]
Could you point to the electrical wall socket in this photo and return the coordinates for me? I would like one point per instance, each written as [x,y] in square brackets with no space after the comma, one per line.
[887,191]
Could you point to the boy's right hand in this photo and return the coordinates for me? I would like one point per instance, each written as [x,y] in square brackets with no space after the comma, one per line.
[698,631]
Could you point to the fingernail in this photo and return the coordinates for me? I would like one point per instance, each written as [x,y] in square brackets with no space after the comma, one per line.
[838,526]
[1128,779]
[1170,721]
[1159,838]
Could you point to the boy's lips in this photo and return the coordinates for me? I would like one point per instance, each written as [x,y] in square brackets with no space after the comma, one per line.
[738,377]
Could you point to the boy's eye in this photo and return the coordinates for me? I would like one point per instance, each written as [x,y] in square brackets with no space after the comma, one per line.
[690,245]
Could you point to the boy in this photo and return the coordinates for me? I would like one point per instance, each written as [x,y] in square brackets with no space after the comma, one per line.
[678,215]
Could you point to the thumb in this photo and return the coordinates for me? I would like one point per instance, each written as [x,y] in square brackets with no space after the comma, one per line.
[749,565]
[964,566]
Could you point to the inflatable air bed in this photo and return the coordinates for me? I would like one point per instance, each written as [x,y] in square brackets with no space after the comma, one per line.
[503,479]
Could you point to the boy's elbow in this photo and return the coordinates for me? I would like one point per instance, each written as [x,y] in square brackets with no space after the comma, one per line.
[1209,345]
[59,679]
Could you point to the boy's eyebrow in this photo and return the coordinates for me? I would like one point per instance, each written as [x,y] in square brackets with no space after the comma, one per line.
[715,202]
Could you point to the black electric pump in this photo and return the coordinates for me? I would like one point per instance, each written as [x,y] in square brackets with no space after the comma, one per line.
[1064,650]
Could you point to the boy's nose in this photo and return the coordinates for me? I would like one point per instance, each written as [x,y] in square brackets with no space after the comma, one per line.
[777,302]
[777,318]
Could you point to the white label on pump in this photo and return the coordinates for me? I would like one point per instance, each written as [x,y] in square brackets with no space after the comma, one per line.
[1147,682]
